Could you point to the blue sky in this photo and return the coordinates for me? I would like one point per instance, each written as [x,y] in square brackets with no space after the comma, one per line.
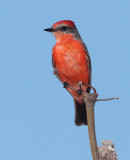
[36,113]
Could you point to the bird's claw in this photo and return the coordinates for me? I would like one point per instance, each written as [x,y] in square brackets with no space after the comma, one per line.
[79,91]
[65,85]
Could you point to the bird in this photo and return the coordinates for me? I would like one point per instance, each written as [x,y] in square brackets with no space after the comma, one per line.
[71,60]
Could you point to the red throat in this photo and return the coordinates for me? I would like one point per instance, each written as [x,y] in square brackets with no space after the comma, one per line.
[63,37]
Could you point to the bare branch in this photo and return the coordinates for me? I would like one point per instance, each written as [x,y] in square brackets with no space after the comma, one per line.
[90,100]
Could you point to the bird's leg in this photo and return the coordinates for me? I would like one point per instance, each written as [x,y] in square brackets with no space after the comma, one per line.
[65,84]
[79,91]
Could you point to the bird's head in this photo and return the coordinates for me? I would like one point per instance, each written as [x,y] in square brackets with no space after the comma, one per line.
[64,30]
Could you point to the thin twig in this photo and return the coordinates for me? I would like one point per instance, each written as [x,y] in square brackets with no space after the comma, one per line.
[108,99]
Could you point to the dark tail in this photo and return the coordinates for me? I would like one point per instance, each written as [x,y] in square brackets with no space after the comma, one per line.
[80,114]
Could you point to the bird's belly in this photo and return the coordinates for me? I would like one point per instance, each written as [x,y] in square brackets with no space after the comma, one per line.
[73,70]
[75,74]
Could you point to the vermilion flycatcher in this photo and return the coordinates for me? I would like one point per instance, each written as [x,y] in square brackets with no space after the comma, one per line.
[72,62]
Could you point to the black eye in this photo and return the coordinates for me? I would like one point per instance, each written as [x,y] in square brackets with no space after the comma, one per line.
[63,28]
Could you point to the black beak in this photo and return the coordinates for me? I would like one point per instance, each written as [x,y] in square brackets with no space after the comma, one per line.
[49,30]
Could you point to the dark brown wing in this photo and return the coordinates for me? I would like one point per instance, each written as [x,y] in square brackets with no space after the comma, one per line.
[53,64]
[89,66]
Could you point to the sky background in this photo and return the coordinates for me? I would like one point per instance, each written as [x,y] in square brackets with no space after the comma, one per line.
[36,113]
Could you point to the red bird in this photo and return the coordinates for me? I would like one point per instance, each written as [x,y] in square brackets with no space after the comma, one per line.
[72,62]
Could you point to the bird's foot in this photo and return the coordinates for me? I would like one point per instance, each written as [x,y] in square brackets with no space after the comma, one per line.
[65,85]
[79,91]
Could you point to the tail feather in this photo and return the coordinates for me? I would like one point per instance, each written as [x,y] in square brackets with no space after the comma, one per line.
[80,114]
